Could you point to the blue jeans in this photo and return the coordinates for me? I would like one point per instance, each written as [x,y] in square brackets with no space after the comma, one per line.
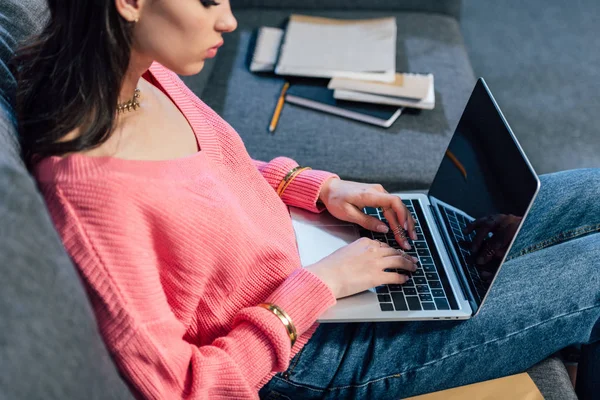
[546,297]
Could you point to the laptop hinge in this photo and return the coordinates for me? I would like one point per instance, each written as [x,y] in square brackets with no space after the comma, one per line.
[455,265]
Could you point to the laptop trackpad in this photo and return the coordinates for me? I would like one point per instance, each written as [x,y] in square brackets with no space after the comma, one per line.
[319,235]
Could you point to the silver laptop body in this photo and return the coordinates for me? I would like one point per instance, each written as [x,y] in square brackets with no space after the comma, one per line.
[484,173]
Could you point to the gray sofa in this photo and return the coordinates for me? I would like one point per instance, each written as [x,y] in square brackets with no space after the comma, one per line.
[49,343]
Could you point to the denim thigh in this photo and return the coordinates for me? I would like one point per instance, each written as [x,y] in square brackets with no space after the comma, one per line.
[541,302]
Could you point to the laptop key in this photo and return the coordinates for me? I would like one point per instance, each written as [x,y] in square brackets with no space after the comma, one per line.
[410,291]
[418,230]
[408,283]
[381,289]
[386,306]
[422,289]
[407,202]
[428,306]
[420,245]
[371,211]
[435,284]
[441,303]
[413,303]
[418,272]
[395,288]
[399,302]
[426,260]
[419,280]
[384,298]
[425,297]
[428,268]
[438,293]
[420,237]
[431,276]
[423,253]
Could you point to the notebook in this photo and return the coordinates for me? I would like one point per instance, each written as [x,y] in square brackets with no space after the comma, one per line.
[327,48]
[412,86]
[317,96]
[266,50]
[427,103]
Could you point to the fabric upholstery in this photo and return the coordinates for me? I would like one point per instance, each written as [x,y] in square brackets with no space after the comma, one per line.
[447,7]
[551,377]
[404,156]
[49,342]
[541,60]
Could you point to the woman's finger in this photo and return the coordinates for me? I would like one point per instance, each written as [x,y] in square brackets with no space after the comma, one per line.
[395,212]
[366,221]
[398,262]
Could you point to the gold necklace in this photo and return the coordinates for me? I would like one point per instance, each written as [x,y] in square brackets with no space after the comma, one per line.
[130,105]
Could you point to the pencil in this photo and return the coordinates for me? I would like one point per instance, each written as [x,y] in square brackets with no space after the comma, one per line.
[278,108]
[457,163]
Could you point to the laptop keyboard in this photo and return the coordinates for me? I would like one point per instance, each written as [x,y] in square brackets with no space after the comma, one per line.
[428,288]
[457,223]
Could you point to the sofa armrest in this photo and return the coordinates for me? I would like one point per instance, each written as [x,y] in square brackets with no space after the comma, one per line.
[446,7]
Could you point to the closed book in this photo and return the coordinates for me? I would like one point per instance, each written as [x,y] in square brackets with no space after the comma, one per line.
[325,48]
[428,103]
[411,86]
[317,96]
[266,49]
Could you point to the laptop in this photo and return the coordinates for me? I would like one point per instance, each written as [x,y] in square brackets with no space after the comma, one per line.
[484,176]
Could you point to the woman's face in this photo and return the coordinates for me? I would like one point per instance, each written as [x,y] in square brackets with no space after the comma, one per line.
[179,34]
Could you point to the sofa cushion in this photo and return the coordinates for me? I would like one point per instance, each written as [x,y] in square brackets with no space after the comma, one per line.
[404,156]
[447,7]
[50,346]
[551,377]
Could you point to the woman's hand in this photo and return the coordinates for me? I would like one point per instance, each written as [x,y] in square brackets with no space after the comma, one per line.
[361,265]
[345,200]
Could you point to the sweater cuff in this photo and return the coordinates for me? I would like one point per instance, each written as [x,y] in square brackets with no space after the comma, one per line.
[304,190]
[304,297]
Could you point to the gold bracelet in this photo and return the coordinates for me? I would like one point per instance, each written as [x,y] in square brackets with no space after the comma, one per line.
[286,178]
[291,178]
[285,319]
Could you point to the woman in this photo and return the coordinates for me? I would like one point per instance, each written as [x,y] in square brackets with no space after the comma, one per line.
[187,250]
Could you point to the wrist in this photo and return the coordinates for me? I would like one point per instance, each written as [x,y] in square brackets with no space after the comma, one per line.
[325,189]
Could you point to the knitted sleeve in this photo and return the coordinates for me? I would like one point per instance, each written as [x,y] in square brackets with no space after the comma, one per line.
[304,190]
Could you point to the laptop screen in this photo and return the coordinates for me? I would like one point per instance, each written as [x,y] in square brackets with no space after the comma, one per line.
[481,192]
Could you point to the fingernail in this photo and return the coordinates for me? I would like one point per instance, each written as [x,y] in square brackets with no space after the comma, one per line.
[405,225]
[406,245]
[383,228]
[415,259]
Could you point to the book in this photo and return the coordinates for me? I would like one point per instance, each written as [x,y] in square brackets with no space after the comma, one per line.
[317,96]
[266,49]
[412,86]
[427,103]
[327,48]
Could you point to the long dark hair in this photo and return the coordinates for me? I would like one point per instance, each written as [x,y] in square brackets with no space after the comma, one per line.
[69,77]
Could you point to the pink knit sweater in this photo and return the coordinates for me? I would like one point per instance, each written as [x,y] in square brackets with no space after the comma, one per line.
[176,255]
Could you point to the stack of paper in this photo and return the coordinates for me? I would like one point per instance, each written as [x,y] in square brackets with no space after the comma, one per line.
[326,48]
[407,90]
[266,50]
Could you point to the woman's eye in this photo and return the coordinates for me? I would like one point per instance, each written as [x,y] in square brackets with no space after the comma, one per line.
[208,3]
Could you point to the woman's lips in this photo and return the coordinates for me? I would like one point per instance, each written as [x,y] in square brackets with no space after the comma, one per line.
[210,53]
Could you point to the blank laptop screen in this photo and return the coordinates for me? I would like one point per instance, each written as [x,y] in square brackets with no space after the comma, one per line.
[484,178]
